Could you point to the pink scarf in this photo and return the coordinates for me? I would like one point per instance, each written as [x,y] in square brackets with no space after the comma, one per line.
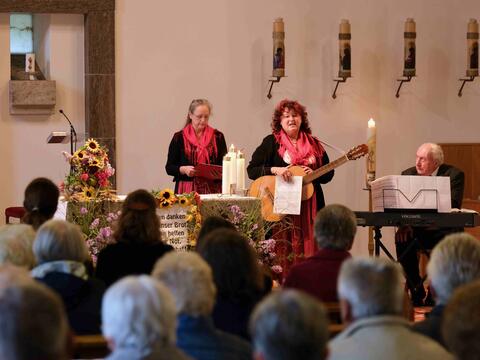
[301,154]
[199,150]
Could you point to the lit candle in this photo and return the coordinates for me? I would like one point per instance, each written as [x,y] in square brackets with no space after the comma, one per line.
[372,150]
[232,153]
[240,171]
[226,174]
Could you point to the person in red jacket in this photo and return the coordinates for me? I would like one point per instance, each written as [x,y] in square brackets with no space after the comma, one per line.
[335,229]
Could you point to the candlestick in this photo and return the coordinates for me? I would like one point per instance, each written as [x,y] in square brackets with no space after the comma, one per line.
[278,48]
[226,174]
[345,60]
[472,48]
[372,149]
[240,171]
[410,49]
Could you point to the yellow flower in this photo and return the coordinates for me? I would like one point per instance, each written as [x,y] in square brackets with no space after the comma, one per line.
[167,195]
[183,201]
[92,145]
[164,204]
[189,217]
[88,192]
[96,163]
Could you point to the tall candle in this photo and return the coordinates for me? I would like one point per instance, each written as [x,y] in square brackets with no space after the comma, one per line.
[240,171]
[232,153]
[278,48]
[410,48]
[472,48]
[226,174]
[372,150]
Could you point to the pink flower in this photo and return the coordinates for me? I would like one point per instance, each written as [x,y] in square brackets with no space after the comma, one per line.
[84,177]
[95,223]
[277,269]
[83,211]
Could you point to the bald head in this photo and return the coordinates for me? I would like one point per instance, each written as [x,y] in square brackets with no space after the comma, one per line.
[429,158]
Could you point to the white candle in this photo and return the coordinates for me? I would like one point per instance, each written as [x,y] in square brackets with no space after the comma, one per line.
[226,174]
[232,153]
[372,150]
[240,171]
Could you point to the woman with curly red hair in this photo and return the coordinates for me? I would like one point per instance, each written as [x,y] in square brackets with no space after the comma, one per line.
[292,143]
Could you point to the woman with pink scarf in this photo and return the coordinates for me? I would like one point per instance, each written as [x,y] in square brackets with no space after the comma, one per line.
[292,143]
[196,143]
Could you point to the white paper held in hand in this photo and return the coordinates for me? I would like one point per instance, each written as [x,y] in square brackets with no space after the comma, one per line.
[288,195]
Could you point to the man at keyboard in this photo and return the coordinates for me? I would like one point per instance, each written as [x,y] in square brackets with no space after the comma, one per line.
[429,162]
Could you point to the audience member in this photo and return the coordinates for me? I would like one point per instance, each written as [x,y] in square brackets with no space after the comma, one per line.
[371,298]
[139,320]
[61,255]
[455,261]
[238,278]
[33,324]
[213,223]
[190,280]
[138,242]
[461,322]
[289,325]
[16,242]
[40,202]
[335,228]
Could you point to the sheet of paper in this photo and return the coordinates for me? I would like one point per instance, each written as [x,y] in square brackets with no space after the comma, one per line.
[288,196]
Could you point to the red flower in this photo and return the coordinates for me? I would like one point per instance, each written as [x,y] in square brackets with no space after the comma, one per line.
[84,177]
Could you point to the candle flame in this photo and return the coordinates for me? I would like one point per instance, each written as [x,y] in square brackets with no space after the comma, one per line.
[371,123]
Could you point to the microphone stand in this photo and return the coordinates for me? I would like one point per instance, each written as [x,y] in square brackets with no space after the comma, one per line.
[73,133]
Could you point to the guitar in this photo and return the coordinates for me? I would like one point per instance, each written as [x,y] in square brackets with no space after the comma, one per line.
[264,186]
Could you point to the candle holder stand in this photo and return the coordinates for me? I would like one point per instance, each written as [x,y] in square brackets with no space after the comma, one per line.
[402,80]
[466,79]
[271,81]
[338,81]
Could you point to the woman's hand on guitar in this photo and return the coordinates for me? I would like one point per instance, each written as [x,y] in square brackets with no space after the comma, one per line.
[284,172]
[187,170]
[306,169]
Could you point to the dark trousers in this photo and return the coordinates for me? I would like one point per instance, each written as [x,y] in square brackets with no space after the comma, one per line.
[422,239]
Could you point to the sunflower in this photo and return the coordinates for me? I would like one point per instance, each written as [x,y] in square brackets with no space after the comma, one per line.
[96,163]
[167,195]
[183,201]
[92,145]
[164,204]
[88,192]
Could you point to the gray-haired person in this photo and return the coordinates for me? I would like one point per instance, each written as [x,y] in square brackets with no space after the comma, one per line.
[61,255]
[16,242]
[371,300]
[190,280]
[455,261]
[289,325]
[461,322]
[139,320]
[33,324]
[335,228]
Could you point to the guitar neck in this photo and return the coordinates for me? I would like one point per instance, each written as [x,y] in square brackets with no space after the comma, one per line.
[315,174]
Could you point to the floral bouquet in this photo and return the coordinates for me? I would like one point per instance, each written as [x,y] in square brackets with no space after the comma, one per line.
[89,177]
[166,198]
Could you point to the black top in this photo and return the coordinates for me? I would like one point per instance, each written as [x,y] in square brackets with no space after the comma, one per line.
[121,259]
[266,156]
[177,156]
[82,299]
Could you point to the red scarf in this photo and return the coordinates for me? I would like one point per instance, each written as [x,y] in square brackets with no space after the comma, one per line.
[199,150]
[301,154]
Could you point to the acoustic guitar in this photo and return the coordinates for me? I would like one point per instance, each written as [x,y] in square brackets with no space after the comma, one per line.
[264,187]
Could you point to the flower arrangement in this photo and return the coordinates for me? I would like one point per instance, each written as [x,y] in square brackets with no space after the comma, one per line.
[90,174]
[191,201]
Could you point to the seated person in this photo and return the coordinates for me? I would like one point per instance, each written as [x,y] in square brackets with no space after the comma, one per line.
[139,320]
[461,322]
[289,325]
[335,228]
[33,324]
[371,300]
[40,202]
[138,241]
[455,261]
[238,278]
[213,223]
[429,162]
[190,280]
[16,242]
[62,256]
